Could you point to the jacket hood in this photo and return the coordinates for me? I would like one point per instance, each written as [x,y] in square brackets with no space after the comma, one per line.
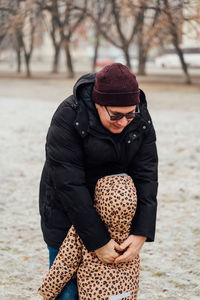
[120,190]
[83,90]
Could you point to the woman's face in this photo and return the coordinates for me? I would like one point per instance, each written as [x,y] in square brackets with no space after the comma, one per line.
[118,125]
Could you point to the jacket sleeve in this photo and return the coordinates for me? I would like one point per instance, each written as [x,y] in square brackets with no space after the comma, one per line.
[143,171]
[64,152]
[64,266]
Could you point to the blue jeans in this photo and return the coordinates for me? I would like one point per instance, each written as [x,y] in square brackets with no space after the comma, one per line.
[70,291]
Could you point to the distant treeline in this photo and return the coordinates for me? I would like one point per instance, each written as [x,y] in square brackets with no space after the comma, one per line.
[123,23]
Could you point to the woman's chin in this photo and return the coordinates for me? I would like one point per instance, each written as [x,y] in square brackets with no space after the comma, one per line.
[117,130]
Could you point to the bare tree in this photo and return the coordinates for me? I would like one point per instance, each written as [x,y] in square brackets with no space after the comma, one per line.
[4,16]
[18,46]
[174,19]
[148,30]
[98,10]
[176,14]
[21,26]
[119,26]
[66,17]
[8,11]
[53,28]
[9,28]
[57,42]
[171,16]
[24,23]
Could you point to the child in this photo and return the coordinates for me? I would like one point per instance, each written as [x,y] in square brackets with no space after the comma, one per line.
[115,201]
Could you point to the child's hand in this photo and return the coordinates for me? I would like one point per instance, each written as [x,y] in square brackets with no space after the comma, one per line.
[132,246]
[107,253]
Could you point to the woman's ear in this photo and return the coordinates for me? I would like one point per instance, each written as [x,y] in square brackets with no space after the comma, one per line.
[97,106]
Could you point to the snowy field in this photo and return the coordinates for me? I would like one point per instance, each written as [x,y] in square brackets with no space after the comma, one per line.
[170,267]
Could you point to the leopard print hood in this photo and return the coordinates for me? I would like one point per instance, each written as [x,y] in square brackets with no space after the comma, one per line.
[121,196]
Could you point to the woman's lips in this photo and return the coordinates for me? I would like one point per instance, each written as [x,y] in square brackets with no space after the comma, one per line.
[118,127]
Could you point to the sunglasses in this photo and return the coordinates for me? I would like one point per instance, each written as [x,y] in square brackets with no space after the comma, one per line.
[119,116]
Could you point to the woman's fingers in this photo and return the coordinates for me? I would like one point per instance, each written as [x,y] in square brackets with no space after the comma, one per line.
[117,247]
[124,257]
[128,255]
[126,243]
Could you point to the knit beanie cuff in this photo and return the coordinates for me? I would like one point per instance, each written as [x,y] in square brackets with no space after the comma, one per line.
[116,99]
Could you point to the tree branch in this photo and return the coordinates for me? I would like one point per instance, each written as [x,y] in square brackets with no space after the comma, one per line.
[117,22]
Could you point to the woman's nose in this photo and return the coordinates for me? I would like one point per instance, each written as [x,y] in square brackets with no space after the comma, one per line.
[123,121]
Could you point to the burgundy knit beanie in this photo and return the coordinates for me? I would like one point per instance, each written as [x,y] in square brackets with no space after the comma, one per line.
[115,85]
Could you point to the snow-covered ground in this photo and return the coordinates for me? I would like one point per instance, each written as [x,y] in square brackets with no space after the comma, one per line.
[170,266]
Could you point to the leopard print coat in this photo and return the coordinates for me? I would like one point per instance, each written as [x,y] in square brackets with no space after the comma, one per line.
[115,201]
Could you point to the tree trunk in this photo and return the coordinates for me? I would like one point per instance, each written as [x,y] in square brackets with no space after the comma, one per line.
[183,63]
[176,40]
[141,45]
[97,42]
[142,57]
[19,60]
[127,57]
[56,58]
[69,61]
[27,60]
[19,47]
[2,37]
[141,64]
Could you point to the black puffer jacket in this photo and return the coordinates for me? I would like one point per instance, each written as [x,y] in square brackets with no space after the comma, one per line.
[79,150]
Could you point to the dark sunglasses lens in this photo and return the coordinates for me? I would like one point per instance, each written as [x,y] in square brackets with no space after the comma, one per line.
[117,117]
[120,116]
[130,116]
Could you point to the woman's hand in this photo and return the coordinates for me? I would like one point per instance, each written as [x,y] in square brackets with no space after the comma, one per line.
[133,244]
[107,253]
